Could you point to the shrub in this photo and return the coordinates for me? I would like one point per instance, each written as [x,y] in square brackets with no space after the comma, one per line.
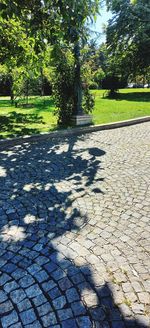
[113,84]
[93,85]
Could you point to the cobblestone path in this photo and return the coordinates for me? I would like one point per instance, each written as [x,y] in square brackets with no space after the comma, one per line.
[74,231]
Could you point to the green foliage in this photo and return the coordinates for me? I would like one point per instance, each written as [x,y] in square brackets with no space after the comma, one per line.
[16,45]
[113,84]
[88,101]
[93,69]
[40,24]
[63,83]
[93,85]
[17,53]
[73,16]
[3,71]
[99,76]
[128,35]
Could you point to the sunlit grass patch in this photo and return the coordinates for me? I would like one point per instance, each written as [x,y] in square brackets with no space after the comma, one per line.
[40,118]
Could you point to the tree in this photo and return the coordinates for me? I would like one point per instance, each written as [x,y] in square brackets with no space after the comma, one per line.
[128,34]
[16,52]
[92,65]
[59,22]
[73,24]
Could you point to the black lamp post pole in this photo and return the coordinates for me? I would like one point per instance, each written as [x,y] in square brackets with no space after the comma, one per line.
[78,83]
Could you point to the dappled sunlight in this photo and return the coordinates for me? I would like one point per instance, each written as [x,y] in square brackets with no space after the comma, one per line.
[28,219]
[31,186]
[47,186]
[3,172]
[13,233]
[63,233]
[9,153]
[13,159]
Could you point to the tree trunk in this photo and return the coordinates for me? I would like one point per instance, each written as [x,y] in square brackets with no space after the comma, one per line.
[11,91]
[42,83]
[27,91]
[12,97]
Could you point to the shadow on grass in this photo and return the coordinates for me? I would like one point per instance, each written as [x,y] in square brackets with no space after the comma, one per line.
[5,103]
[44,105]
[15,124]
[134,96]
[131,96]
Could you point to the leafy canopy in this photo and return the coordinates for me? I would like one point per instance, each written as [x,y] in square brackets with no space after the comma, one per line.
[128,33]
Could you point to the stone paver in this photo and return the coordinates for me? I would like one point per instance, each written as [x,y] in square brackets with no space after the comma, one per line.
[75,233]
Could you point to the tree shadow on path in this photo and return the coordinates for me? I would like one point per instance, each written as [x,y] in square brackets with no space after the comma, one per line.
[45,201]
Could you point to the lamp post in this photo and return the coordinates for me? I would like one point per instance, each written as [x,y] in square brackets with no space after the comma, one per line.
[77,83]
[79,117]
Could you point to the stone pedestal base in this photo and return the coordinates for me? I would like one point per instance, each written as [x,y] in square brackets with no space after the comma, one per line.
[80,120]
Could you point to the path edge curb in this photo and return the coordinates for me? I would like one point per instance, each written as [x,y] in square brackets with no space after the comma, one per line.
[70,132]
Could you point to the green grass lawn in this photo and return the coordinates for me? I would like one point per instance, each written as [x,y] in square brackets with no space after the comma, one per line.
[131,103]
[26,121]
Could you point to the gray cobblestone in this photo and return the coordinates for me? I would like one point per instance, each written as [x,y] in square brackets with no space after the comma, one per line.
[84,322]
[65,314]
[17,325]
[6,307]
[71,323]
[2,262]
[137,287]
[3,296]
[78,308]
[19,273]
[26,281]
[72,295]
[144,297]
[53,293]
[41,260]
[78,278]
[44,309]
[33,291]
[48,285]
[10,286]
[49,320]
[4,278]
[50,267]
[35,324]
[39,300]
[138,308]
[58,274]
[64,283]
[59,302]
[27,316]
[24,305]
[74,231]
[41,276]
[9,319]
[34,268]
[9,267]
[17,295]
